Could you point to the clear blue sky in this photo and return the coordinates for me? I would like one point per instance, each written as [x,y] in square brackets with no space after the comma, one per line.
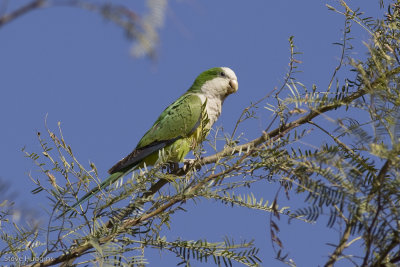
[75,66]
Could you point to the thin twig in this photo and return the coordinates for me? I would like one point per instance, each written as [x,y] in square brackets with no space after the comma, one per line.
[342,245]
[21,11]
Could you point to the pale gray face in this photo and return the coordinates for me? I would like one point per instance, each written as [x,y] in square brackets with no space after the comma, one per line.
[225,84]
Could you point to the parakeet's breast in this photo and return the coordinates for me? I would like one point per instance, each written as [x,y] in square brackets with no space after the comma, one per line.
[213,108]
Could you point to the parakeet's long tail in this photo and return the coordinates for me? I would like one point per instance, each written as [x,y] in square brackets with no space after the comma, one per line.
[110,180]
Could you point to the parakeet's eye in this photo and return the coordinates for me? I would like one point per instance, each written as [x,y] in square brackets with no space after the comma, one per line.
[222,74]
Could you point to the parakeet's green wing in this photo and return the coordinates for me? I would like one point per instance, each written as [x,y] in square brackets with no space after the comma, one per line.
[179,120]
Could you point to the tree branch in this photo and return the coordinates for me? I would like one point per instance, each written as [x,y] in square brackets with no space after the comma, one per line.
[379,182]
[290,126]
[21,11]
[342,245]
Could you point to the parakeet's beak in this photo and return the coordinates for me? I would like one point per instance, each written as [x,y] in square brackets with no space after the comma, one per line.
[233,86]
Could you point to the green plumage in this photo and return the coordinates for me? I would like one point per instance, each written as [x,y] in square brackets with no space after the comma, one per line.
[177,130]
[179,119]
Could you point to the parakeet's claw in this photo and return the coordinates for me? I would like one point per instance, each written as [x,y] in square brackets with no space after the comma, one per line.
[172,167]
[188,163]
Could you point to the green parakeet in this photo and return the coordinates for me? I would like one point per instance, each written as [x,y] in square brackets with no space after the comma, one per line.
[179,128]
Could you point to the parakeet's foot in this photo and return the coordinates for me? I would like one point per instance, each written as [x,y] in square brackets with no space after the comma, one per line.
[172,167]
[188,163]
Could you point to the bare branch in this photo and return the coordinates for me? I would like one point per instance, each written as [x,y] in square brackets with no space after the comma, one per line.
[342,245]
[21,11]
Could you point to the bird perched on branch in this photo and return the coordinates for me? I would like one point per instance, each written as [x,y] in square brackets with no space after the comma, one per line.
[180,128]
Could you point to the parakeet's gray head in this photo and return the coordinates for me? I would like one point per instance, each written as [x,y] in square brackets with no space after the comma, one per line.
[217,82]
